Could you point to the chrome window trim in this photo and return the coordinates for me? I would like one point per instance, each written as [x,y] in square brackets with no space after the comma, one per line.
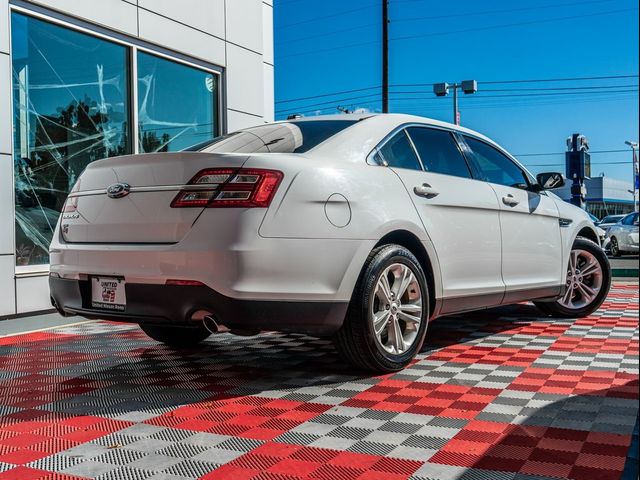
[454,137]
[527,175]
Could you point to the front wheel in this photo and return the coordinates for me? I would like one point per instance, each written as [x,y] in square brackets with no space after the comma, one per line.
[176,336]
[615,247]
[588,282]
[387,318]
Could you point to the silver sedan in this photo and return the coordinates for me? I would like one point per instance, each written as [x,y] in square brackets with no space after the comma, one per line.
[623,236]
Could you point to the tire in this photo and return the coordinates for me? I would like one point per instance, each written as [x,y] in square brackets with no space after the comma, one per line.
[582,306]
[357,341]
[614,248]
[176,336]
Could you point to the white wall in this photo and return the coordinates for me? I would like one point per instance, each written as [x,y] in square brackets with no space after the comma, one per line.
[236,35]
[7,260]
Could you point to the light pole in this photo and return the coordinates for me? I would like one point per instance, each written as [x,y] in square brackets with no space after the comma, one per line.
[385,56]
[634,147]
[442,90]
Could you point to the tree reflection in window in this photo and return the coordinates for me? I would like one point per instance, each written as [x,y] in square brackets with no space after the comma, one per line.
[70,96]
[176,104]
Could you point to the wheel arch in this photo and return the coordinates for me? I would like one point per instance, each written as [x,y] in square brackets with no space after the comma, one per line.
[412,243]
[588,233]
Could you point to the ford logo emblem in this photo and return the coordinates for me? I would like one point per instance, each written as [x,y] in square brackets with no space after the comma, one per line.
[118,190]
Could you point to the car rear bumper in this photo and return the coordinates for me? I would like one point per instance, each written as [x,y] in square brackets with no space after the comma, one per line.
[175,304]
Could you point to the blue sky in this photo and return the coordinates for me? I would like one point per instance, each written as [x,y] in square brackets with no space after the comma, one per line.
[334,46]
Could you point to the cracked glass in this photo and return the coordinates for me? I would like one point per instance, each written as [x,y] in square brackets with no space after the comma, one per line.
[70,107]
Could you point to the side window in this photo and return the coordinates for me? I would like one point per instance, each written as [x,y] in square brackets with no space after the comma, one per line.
[496,167]
[438,152]
[399,153]
[630,220]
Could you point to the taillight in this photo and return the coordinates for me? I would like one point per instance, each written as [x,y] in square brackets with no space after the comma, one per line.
[71,204]
[222,187]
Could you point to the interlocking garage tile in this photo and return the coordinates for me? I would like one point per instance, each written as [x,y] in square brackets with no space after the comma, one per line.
[473,375]
[577,382]
[595,345]
[583,412]
[499,394]
[469,353]
[447,400]
[613,362]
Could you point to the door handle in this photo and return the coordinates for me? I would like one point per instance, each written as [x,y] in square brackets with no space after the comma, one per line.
[425,190]
[510,200]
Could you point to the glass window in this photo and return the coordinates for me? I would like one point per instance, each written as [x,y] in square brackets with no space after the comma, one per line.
[630,219]
[284,137]
[399,153]
[439,152]
[176,105]
[70,107]
[495,167]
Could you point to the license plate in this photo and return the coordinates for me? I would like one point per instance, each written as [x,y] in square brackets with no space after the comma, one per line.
[108,293]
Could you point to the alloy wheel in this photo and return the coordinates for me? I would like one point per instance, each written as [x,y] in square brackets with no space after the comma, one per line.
[584,280]
[397,309]
[615,249]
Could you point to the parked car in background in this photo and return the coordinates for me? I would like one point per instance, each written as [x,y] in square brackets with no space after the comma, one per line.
[623,236]
[609,221]
[358,227]
[602,235]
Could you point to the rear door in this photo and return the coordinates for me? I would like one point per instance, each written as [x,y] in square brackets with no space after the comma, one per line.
[459,214]
[531,243]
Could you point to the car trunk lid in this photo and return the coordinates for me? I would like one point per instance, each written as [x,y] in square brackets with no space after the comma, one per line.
[128,199]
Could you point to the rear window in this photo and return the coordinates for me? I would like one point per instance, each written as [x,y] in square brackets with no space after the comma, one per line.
[286,137]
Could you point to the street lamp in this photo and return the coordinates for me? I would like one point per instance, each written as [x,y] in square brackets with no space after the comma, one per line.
[634,147]
[442,90]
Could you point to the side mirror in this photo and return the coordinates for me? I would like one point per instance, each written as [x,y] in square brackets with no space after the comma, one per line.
[550,180]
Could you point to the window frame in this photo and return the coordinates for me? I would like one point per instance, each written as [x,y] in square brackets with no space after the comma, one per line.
[370,160]
[477,171]
[399,132]
[455,142]
[133,46]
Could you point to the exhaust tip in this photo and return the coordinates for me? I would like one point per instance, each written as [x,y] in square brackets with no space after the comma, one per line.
[210,324]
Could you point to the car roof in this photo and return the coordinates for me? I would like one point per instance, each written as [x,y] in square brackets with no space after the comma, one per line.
[371,128]
[400,119]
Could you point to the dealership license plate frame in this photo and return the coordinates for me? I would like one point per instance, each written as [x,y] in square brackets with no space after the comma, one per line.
[98,298]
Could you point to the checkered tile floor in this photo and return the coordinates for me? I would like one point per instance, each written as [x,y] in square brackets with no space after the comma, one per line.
[501,394]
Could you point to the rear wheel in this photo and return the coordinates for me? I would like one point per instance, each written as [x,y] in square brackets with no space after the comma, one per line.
[588,282]
[388,314]
[176,336]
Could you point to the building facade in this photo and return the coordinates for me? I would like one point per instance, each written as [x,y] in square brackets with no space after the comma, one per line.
[82,80]
[605,196]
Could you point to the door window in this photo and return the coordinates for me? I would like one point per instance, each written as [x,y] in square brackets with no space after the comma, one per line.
[399,153]
[495,167]
[438,152]
[630,219]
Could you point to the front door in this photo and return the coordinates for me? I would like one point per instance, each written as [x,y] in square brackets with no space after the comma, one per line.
[531,242]
[459,214]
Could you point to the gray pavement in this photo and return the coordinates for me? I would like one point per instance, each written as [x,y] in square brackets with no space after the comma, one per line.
[14,326]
